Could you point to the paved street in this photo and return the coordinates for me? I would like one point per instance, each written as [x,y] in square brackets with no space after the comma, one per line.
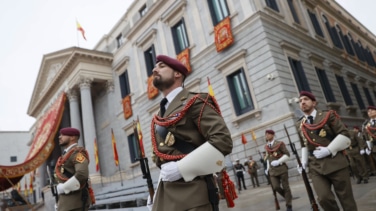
[262,198]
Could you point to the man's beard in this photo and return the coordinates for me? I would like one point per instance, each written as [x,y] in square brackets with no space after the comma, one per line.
[163,84]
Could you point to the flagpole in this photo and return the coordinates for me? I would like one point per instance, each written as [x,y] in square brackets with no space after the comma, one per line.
[121,178]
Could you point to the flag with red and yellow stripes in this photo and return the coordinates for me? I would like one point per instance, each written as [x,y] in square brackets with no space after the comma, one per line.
[96,155]
[79,28]
[116,157]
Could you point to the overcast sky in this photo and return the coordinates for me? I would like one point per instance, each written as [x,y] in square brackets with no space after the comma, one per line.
[32,28]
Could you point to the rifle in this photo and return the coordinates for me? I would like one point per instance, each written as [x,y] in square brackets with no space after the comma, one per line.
[276,203]
[52,185]
[144,165]
[304,174]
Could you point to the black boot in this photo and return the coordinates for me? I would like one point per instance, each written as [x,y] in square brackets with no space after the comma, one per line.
[359,181]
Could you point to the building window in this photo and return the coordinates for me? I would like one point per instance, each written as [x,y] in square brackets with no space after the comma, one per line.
[13,159]
[369,57]
[218,10]
[344,91]
[134,149]
[333,33]
[272,4]
[143,10]
[240,94]
[315,23]
[368,96]
[150,60]
[179,35]
[124,84]
[359,51]
[293,11]
[299,75]
[357,96]
[325,85]
[119,40]
[345,41]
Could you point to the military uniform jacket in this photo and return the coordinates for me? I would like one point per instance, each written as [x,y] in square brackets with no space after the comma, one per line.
[75,163]
[198,123]
[357,143]
[252,166]
[326,126]
[369,132]
[275,152]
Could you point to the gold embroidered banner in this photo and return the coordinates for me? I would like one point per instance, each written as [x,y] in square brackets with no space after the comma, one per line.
[183,57]
[223,34]
[152,91]
[127,106]
[43,142]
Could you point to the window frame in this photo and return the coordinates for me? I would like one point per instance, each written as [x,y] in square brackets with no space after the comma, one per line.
[272,4]
[221,7]
[315,23]
[180,36]
[134,148]
[124,84]
[235,96]
[358,97]
[325,85]
[299,74]
[150,60]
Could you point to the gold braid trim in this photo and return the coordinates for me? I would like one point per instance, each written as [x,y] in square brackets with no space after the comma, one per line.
[305,126]
[274,149]
[176,117]
[370,131]
[60,162]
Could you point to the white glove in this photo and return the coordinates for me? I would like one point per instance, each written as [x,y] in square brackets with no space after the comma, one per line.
[266,171]
[368,151]
[300,168]
[170,172]
[243,172]
[362,151]
[321,152]
[55,207]
[149,204]
[59,188]
[275,163]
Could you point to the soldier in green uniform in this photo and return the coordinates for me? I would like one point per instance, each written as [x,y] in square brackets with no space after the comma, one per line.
[369,132]
[278,155]
[72,172]
[189,139]
[323,139]
[253,167]
[355,152]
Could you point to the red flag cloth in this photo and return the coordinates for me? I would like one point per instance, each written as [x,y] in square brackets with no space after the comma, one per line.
[96,155]
[140,138]
[31,183]
[244,140]
[116,157]
[79,28]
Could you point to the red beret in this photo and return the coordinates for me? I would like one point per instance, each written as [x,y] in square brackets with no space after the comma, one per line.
[371,107]
[173,63]
[308,94]
[69,131]
[270,132]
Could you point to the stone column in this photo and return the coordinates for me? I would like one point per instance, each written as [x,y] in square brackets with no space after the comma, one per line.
[75,115]
[110,100]
[89,132]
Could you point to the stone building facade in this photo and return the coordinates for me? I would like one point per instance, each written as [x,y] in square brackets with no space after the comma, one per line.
[279,48]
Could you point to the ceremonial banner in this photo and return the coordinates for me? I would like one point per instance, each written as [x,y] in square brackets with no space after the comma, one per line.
[127,106]
[183,57]
[41,147]
[152,91]
[223,34]
[244,139]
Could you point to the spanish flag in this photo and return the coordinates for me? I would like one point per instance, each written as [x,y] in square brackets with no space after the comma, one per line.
[25,191]
[244,140]
[116,157]
[140,138]
[211,92]
[31,183]
[96,155]
[79,28]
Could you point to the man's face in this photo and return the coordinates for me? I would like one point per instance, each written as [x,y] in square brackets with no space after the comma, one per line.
[306,104]
[250,157]
[371,113]
[269,137]
[163,76]
[64,140]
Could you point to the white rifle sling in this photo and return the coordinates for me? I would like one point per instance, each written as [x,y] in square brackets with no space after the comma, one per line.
[204,160]
[339,143]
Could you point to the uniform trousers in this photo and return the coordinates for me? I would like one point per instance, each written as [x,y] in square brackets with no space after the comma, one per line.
[254,177]
[285,191]
[340,180]
[358,165]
